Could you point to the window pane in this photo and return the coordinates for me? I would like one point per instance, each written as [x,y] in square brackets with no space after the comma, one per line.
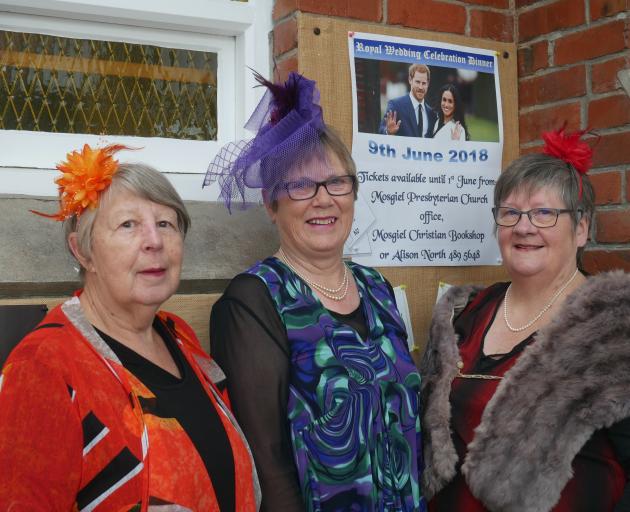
[65,85]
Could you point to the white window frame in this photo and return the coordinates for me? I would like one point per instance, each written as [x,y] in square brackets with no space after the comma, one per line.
[236,31]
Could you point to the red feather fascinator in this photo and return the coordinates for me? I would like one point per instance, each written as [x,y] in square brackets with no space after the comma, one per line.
[571,149]
[85,175]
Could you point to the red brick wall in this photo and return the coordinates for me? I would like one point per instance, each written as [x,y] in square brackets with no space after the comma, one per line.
[491,19]
[569,53]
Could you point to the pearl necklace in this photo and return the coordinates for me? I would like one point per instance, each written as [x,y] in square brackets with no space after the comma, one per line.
[542,311]
[331,293]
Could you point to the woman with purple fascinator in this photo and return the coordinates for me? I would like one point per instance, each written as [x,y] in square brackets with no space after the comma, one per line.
[314,349]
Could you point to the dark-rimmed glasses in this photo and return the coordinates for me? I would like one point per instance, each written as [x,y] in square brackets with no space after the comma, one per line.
[305,188]
[539,217]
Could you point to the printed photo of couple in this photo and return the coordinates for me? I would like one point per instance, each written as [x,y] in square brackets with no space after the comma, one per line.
[443,103]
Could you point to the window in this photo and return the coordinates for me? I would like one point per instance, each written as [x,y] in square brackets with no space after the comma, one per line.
[86,86]
[175,85]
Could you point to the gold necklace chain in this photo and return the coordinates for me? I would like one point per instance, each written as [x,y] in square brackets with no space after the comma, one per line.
[542,311]
[460,366]
[331,293]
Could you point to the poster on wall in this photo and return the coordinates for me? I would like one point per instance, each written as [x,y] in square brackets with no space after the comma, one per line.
[427,141]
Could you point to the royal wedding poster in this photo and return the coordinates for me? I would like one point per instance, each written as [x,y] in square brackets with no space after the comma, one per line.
[427,141]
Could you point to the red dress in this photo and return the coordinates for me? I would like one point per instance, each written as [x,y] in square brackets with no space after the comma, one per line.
[78,430]
[599,479]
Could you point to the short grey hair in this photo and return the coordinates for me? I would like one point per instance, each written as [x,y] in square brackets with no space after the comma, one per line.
[142,180]
[533,172]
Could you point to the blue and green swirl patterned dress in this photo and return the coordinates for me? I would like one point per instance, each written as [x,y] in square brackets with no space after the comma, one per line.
[353,403]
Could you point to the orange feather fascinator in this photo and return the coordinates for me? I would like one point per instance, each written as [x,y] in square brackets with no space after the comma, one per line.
[85,175]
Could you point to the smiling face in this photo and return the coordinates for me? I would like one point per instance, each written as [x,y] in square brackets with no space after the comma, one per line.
[546,252]
[448,105]
[316,227]
[136,252]
[419,84]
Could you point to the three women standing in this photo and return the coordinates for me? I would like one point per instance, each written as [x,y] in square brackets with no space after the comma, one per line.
[526,387]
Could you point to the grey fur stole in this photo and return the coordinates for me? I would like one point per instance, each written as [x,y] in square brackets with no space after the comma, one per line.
[573,380]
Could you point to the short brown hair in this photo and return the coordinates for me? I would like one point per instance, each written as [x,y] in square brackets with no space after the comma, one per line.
[536,171]
[421,68]
[329,141]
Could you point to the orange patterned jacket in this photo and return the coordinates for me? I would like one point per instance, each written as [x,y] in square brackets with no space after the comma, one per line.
[73,435]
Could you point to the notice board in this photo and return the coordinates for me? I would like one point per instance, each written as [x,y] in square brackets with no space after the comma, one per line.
[323,57]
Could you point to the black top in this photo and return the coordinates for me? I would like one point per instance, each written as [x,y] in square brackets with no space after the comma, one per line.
[249,340]
[186,401]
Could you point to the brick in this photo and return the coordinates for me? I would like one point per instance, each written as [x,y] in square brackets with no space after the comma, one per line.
[591,43]
[607,187]
[525,3]
[284,67]
[596,261]
[282,8]
[367,10]
[609,112]
[444,17]
[604,74]
[285,36]
[492,25]
[628,186]
[612,149]
[533,123]
[605,8]
[554,86]
[533,57]
[613,226]
[500,4]
[549,18]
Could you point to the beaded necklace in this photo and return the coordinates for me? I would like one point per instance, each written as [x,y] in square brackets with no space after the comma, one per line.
[542,311]
[331,293]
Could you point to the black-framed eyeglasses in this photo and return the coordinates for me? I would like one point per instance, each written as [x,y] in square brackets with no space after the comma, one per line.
[305,188]
[539,217]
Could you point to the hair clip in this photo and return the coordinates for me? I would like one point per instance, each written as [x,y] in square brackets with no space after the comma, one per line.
[288,122]
[571,149]
[85,175]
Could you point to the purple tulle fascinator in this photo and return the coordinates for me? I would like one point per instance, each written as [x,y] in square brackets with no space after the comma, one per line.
[288,123]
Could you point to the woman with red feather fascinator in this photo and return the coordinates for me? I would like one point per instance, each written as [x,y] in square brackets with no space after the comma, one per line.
[526,387]
[110,404]
[314,349]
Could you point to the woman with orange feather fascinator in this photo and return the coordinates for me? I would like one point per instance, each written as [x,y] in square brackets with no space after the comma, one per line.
[110,403]
[525,383]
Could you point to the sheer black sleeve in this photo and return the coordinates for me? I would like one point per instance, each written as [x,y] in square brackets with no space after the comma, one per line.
[619,434]
[249,341]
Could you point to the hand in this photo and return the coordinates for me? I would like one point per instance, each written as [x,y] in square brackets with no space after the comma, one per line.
[456,132]
[391,125]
